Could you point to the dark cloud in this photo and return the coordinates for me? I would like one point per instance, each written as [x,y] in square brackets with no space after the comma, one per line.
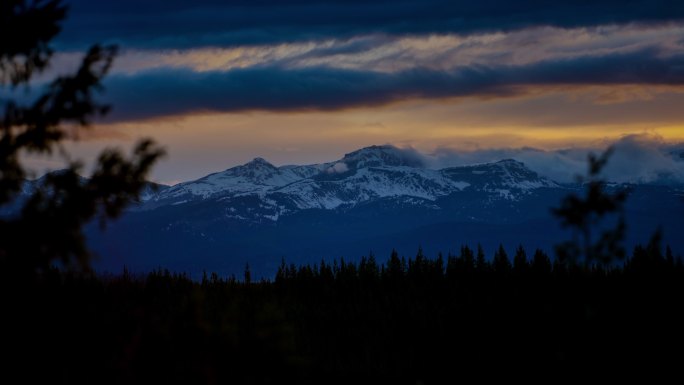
[184,24]
[163,92]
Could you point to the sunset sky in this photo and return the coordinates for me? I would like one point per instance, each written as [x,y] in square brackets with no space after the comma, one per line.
[221,82]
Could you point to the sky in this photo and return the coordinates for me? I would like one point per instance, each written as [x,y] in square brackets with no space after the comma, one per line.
[221,82]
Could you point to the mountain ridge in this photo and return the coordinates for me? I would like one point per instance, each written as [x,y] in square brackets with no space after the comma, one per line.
[370,199]
[364,175]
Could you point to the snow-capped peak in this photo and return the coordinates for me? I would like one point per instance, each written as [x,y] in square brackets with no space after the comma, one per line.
[257,168]
[510,163]
[516,173]
[254,176]
[259,162]
[504,175]
[379,156]
[371,173]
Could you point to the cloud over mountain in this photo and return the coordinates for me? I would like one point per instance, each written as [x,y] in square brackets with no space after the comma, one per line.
[635,159]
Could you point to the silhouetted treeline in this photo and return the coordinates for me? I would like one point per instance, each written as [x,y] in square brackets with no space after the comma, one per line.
[406,320]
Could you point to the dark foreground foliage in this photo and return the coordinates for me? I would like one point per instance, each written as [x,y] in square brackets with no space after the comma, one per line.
[406,321]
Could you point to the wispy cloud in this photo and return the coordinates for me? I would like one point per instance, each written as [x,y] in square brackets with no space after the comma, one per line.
[543,48]
[163,92]
[386,53]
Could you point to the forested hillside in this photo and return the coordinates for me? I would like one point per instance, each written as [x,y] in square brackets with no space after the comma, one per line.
[407,320]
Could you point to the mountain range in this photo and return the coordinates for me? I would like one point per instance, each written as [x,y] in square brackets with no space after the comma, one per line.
[372,200]
[259,192]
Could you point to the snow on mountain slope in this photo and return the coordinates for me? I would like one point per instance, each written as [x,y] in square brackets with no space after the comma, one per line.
[259,189]
[151,191]
[252,177]
[368,183]
[375,172]
[504,175]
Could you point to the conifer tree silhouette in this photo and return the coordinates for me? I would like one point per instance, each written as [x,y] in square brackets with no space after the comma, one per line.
[584,213]
[48,229]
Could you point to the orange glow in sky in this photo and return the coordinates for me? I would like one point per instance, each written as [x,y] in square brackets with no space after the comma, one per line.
[202,143]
